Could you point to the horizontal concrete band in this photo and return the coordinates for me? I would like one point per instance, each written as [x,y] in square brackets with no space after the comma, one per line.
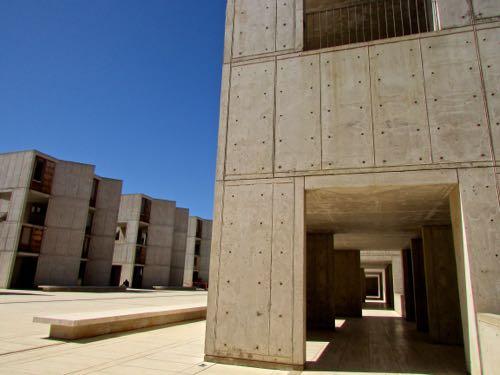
[75,326]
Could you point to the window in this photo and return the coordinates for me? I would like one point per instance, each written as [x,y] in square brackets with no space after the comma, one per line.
[93,195]
[199,228]
[37,213]
[330,23]
[142,236]
[117,235]
[197,247]
[90,220]
[25,240]
[86,247]
[145,210]
[39,168]
[43,174]
[30,239]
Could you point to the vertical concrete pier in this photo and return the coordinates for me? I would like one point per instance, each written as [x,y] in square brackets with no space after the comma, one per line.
[320,281]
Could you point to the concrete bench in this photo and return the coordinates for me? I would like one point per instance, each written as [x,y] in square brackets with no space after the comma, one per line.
[91,324]
[87,289]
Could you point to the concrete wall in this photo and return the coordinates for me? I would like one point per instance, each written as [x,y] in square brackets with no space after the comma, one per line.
[124,251]
[411,100]
[206,244]
[160,243]
[103,232]
[65,224]
[190,245]
[15,175]
[179,247]
[258,257]
[422,109]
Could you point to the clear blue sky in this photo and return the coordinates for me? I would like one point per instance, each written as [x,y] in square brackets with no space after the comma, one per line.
[131,86]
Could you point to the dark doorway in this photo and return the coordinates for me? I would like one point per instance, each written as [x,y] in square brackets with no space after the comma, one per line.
[372,287]
[116,272]
[23,276]
[137,278]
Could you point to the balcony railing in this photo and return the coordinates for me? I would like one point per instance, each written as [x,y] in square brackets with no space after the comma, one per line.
[366,21]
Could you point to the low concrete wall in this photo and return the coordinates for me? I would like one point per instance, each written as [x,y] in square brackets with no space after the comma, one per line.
[88,289]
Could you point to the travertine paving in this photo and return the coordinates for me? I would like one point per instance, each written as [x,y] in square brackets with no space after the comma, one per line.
[359,345]
[17,308]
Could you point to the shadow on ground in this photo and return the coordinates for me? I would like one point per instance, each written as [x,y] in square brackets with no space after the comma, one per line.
[383,345]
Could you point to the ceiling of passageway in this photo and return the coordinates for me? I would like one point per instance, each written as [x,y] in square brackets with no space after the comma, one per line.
[376,218]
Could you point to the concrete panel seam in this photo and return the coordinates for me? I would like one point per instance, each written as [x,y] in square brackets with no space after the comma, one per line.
[425,101]
[483,89]
[228,95]
[219,261]
[320,116]
[270,272]
[232,36]
[273,167]
[371,105]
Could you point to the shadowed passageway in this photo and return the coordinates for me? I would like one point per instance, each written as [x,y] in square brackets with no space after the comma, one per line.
[382,343]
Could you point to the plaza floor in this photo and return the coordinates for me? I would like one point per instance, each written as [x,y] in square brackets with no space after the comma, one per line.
[379,343]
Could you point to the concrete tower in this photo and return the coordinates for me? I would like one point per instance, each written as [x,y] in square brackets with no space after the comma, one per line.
[348,127]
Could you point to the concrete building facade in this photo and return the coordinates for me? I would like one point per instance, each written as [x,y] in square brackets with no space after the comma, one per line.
[197,262]
[57,222]
[377,130]
[150,242]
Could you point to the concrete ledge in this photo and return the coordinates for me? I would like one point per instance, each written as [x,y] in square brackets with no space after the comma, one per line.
[91,324]
[160,287]
[88,289]
[253,363]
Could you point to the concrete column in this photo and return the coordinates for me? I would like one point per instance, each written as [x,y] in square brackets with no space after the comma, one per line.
[320,281]
[257,292]
[419,285]
[389,287]
[409,310]
[475,213]
[347,284]
[362,277]
[398,284]
[443,304]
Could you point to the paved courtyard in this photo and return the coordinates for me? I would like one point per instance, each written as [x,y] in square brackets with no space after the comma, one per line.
[381,342]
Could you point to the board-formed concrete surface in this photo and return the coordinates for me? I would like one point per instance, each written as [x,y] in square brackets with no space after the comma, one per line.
[370,141]
[178,348]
